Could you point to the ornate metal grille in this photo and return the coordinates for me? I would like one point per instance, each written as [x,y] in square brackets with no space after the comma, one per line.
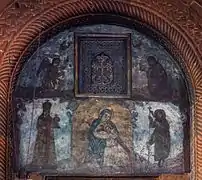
[103,65]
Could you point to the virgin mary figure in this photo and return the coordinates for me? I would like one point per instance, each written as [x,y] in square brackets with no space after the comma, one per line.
[105,147]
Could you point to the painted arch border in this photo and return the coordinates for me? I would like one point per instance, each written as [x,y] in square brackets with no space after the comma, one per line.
[23,21]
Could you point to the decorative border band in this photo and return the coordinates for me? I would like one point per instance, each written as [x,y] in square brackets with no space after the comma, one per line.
[22,21]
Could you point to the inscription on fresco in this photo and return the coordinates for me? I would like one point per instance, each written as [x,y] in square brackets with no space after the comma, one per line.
[141,134]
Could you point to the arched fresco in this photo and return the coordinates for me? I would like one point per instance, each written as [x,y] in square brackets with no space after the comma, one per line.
[102,100]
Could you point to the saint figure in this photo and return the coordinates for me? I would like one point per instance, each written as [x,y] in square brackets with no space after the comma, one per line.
[105,145]
[44,150]
[157,79]
[53,74]
[160,136]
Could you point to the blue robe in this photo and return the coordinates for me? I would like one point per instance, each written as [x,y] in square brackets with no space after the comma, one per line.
[96,145]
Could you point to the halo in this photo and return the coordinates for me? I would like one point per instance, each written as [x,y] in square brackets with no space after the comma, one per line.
[109,108]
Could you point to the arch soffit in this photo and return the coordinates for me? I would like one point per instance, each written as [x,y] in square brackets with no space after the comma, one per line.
[178,21]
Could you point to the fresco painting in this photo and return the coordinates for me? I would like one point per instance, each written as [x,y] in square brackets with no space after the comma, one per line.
[106,141]
[102,137]
[45,133]
[141,133]
[55,61]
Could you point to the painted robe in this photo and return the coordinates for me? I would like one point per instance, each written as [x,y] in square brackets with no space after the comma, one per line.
[44,150]
[160,138]
[96,145]
[158,85]
[104,146]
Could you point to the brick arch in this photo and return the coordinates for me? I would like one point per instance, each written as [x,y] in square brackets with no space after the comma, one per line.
[23,21]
